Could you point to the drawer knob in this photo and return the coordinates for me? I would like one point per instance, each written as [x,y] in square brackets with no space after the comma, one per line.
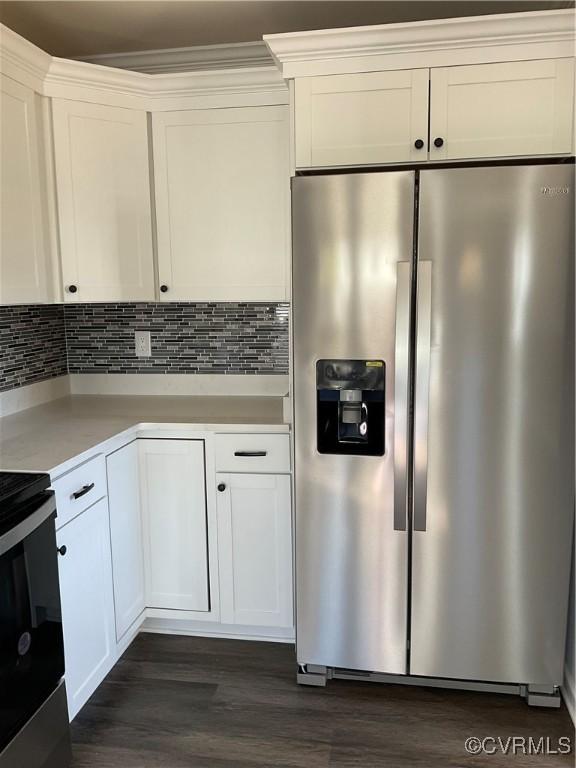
[250,454]
[221,487]
[83,491]
[418,143]
[438,142]
[163,288]
[72,288]
[62,550]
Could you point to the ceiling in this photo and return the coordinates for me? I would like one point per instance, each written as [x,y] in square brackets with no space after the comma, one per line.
[86,28]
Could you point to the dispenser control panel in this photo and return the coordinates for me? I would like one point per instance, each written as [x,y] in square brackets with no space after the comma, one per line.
[350,396]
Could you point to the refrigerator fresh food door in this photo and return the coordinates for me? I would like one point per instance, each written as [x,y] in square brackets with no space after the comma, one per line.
[353,246]
[494,423]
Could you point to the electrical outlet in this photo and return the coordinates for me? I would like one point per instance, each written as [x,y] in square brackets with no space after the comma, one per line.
[142,343]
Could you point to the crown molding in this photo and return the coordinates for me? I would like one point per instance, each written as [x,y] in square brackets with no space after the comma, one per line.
[22,60]
[169,60]
[80,80]
[446,42]
[179,90]
[355,49]
[66,78]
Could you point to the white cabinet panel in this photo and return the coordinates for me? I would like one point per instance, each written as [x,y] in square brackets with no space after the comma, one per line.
[126,536]
[255,550]
[87,603]
[25,275]
[374,117]
[512,108]
[222,183]
[174,524]
[101,156]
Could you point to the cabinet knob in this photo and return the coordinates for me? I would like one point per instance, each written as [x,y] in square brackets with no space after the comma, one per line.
[438,142]
[62,550]
[221,487]
[72,288]
[418,143]
[163,288]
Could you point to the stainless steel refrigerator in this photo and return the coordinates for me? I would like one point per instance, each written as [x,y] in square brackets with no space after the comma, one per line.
[433,361]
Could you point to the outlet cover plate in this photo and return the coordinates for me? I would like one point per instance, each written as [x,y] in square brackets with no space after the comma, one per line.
[142,343]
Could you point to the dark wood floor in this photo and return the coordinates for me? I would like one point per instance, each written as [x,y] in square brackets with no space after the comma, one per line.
[182,702]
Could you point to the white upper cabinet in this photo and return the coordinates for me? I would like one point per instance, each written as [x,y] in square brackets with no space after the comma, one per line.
[222,183]
[361,119]
[102,176]
[174,523]
[25,274]
[504,109]
[255,550]
[518,108]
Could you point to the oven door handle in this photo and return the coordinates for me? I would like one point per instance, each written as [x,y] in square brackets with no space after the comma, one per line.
[26,527]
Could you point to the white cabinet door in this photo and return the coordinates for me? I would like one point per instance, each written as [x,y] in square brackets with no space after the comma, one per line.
[255,550]
[373,117]
[87,603]
[512,108]
[103,184]
[24,256]
[174,523]
[222,184]
[126,536]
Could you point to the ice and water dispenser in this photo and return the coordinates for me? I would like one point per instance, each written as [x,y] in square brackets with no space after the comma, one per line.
[350,406]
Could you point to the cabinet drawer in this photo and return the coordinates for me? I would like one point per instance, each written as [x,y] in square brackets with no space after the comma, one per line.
[252,453]
[79,489]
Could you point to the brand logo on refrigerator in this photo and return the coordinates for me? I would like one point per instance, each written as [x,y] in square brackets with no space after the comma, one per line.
[554,190]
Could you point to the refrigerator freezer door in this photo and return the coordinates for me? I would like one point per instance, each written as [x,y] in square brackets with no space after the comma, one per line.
[494,448]
[353,244]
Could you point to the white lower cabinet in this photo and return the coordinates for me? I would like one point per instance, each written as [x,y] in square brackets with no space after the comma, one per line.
[126,536]
[85,572]
[173,496]
[255,549]
[145,546]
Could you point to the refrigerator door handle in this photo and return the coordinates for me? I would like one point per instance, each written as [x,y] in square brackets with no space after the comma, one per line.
[422,387]
[401,352]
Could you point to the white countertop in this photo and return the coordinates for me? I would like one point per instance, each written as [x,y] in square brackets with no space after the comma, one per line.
[44,438]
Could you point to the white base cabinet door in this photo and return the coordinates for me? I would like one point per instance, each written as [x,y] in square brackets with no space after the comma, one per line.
[85,572]
[255,549]
[222,187]
[502,109]
[103,181]
[362,119]
[126,536]
[173,497]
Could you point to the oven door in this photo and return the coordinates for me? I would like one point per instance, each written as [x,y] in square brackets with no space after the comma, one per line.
[31,644]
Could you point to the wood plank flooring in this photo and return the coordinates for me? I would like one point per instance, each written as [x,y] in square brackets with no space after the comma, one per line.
[183,702]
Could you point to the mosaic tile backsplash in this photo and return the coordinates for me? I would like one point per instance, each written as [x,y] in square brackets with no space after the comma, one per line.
[40,342]
[32,345]
[223,338]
